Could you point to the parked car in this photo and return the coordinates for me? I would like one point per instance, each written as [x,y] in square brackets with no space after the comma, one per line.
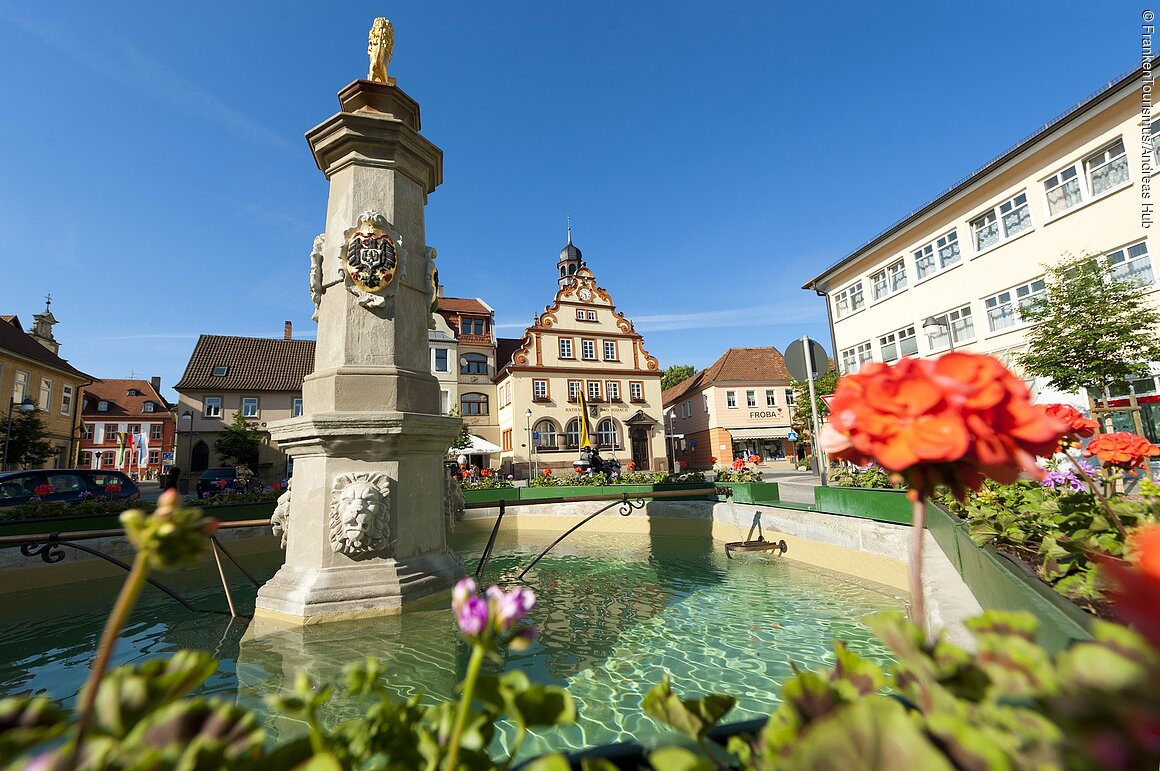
[66,486]
[222,479]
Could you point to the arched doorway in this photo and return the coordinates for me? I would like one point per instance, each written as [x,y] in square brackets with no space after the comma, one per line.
[199,457]
[639,438]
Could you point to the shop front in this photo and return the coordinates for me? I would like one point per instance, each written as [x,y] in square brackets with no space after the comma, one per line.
[770,444]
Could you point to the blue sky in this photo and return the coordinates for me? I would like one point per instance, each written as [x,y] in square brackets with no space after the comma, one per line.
[154,177]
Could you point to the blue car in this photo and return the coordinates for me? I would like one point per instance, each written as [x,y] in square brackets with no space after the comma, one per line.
[69,486]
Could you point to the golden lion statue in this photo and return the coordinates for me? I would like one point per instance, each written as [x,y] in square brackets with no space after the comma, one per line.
[380,46]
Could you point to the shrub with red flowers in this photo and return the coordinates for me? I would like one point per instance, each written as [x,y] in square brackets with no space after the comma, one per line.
[112,489]
[43,490]
[547,472]
[738,472]
[631,465]
[738,464]
[754,459]
[1121,450]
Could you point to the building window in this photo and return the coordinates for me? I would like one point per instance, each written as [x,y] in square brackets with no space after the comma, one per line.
[85,459]
[566,348]
[1153,130]
[852,358]
[155,431]
[572,433]
[473,404]
[593,390]
[610,353]
[1016,215]
[134,429]
[221,370]
[1003,309]
[154,457]
[107,459]
[687,408]
[751,398]
[213,407]
[506,440]
[249,406]
[471,326]
[888,280]
[588,350]
[45,403]
[607,435]
[705,401]
[962,328]
[148,407]
[19,386]
[102,406]
[296,407]
[111,431]
[1013,213]
[540,390]
[770,397]
[544,435]
[440,364]
[613,389]
[636,391]
[574,387]
[1132,263]
[580,314]
[1062,190]
[444,401]
[789,396]
[939,254]
[902,342]
[849,300]
[86,432]
[1107,169]
[592,315]
[66,399]
[731,399]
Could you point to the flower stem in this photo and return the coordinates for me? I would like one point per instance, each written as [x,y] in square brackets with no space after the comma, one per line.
[1102,498]
[473,667]
[130,591]
[918,532]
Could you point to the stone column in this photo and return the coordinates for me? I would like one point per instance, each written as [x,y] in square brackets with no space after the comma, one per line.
[365,531]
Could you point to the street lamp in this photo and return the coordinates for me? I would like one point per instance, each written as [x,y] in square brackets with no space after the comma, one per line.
[531,445]
[935,324]
[188,416]
[25,406]
[673,440]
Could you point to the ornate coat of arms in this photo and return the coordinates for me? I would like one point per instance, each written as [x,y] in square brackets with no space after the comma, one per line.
[372,259]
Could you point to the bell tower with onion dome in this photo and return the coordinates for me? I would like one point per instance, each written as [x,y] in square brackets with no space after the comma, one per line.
[571,260]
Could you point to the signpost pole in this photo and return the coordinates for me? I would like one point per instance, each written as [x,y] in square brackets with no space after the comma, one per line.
[819,456]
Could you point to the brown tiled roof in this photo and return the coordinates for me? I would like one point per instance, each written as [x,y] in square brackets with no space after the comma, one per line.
[505,348]
[736,365]
[116,393]
[255,364]
[463,305]
[16,340]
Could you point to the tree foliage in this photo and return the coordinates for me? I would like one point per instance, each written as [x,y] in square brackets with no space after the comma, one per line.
[28,445]
[1092,329]
[462,440]
[677,373]
[240,443]
[803,413]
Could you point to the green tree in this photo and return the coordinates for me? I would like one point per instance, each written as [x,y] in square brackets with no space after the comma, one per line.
[803,412]
[1091,329]
[678,373]
[240,443]
[463,439]
[28,446]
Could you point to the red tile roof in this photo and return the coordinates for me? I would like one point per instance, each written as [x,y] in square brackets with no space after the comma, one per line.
[464,305]
[17,341]
[116,393]
[736,365]
[253,364]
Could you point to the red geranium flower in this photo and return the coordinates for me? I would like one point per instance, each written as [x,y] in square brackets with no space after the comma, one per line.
[631,465]
[547,472]
[952,420]
[484,472]
[1121,450]
[1137,583]
[43,490]
[712,459]
[754,459]
[738,464]
[1080,427]
[222,483]
[113,489]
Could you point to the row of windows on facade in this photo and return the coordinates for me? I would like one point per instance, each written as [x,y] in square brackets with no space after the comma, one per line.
[251,407]
[546,435]
[108,459]
[1003,313]
[21,386]
[91,432]
[1080,182]
[685,410]
[469,363]
[595,391]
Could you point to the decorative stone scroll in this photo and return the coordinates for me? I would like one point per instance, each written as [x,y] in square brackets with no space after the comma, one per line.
[359,507]
[372,259]
[316,273]
[280,519]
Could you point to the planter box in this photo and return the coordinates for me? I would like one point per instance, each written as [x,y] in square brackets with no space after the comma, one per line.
[235,512]
[574,491]
[494,495]
[1001,583]
[881,505]
[752,492]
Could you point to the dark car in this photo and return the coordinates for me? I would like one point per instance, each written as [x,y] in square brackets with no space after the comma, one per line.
[222,479]
[65,486]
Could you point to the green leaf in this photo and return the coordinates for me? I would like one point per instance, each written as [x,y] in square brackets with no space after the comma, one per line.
[1005,622]
[26,722]
[323,762]
[678,759]
[863,675]
[129,693]
[1095,666]
[692,717]
[554,762]
[199,727]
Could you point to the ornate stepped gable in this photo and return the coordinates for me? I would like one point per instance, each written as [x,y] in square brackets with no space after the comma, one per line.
[573,293]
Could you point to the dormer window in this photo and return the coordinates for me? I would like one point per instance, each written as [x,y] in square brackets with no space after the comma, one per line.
[134,392]
[221,370]
[148,407]
[102,406]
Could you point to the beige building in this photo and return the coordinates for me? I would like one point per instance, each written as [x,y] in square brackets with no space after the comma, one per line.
[444,361]
[579,343]
[964,264]
[261,377]
[473,323]
[30,368]
[740,406]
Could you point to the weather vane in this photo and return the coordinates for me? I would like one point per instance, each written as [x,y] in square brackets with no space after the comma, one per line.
[380,46]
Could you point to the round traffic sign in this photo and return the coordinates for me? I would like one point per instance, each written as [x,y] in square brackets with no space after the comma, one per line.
[795,360]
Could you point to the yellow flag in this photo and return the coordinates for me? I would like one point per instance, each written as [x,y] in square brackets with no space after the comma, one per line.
[585,431]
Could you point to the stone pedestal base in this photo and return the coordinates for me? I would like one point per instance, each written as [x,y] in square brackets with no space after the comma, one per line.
[300,596]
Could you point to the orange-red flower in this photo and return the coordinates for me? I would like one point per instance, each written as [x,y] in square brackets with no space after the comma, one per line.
[738,464]
[1079,426]
[1121,450]
[953,420]
[1136,584]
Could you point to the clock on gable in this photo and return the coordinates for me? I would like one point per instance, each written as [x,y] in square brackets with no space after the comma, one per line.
[585,294]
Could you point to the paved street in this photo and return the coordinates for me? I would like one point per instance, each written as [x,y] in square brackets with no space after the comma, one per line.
[794,485]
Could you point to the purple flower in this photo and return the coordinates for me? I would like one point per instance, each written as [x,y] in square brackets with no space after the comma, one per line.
[481,619]
[472,616]
[510,607]
[511,476]
[1064,479]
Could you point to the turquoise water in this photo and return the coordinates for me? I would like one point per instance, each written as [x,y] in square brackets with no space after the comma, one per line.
[614,613]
